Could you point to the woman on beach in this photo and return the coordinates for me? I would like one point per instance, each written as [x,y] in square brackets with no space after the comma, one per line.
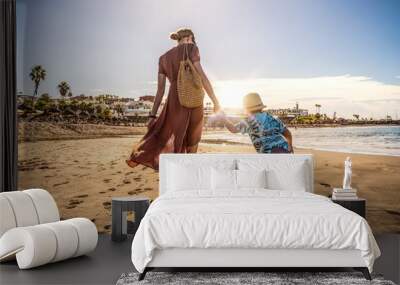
[178,129]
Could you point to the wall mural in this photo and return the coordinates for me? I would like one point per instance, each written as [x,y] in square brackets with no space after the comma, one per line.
[87,87]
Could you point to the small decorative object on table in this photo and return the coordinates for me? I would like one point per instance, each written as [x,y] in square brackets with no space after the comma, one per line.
[121,206]
[345,193]
[347,173]
[347,196]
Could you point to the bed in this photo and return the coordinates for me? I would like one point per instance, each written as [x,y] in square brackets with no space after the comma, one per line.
[247,210]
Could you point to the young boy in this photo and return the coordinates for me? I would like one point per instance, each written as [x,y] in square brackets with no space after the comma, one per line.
[268,134]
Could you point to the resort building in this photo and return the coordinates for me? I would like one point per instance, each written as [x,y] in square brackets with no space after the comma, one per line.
[288,114]
[137,108]
[149,98]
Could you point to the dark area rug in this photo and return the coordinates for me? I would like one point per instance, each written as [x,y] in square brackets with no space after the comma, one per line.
[232,278]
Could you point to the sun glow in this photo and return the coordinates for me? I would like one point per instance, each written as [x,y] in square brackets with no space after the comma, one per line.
[345,94]
[231,93]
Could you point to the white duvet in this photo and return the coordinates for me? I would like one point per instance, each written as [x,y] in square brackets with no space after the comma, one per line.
[250,219]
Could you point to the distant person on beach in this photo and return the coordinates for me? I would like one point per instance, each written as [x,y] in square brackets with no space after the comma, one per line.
[267,133]
[177,129]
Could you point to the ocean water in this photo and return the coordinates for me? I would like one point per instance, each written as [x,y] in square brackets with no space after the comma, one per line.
[382,140]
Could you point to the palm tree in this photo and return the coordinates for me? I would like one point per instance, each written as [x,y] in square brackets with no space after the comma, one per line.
[38,73]
[63,88]
[317,108]
[119,109]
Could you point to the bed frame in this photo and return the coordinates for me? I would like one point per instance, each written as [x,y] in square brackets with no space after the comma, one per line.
[242,259]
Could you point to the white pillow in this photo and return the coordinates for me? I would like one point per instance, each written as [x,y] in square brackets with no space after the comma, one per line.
[286,174]
[223,179]
[193,176]
[188,177]
[293,180]
[251,179]
[226,179]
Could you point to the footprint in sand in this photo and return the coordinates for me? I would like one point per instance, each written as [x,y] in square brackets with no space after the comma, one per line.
[106,180]
[325,184]
[83,167]
[126,181]
[70,207]
[107,227]
[137,178]
[59,184]
[111,189]
[82,196]
[102,192]
[136,191]
[107,205]
[74,202]
[393,212]
[148,189]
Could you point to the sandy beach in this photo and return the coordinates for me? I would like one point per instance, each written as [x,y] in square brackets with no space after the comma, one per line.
[84,174]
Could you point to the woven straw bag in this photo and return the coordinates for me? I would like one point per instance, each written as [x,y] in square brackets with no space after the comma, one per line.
[190,87]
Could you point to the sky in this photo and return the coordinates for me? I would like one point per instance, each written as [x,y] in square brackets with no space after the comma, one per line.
[344,54]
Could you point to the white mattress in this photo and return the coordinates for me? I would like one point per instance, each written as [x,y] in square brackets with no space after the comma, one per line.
[256,218]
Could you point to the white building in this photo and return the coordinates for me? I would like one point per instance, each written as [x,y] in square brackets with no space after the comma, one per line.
[137,108]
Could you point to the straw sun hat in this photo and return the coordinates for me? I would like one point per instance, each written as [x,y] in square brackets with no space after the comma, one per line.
[253,102]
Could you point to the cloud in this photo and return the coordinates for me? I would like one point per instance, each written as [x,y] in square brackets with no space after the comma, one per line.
[317,98]
[344,94]
[394,100]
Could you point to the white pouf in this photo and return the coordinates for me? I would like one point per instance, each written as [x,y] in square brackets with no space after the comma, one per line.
[31,232]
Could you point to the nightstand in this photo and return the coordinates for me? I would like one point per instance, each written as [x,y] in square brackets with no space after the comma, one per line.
[357,205]
[121,206]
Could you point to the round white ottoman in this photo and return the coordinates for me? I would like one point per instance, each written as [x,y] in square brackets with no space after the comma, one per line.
[31,231]
[52,242]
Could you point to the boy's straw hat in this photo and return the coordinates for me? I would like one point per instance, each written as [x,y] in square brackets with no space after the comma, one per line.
[253,102]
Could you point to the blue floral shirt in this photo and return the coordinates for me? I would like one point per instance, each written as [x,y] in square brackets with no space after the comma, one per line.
[265,132]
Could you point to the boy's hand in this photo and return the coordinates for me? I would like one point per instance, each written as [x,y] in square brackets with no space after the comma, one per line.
[222,116]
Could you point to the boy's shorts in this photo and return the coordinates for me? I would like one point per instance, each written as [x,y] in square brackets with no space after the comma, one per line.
[280,150]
